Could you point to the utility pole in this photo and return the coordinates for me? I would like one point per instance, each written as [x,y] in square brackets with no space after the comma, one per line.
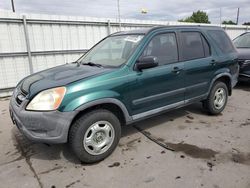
[238,13]
[13,6]
[119,14]
[220,15]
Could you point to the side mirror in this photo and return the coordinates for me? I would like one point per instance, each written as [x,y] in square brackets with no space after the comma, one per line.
[147,62]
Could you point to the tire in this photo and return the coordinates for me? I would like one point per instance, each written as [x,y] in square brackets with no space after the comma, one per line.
[95,135]
[217,99]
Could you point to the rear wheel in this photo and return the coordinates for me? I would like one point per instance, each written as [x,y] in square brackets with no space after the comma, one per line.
[217,98]
[95,135]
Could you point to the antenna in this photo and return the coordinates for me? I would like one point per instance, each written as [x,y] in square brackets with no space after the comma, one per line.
[220,15]
[67,45]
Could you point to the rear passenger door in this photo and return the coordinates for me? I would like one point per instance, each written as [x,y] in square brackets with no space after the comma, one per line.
[195,52]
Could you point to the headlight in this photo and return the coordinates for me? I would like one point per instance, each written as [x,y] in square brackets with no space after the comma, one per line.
[47,100]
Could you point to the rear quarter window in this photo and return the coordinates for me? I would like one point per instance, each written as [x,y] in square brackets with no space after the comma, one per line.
[221,40]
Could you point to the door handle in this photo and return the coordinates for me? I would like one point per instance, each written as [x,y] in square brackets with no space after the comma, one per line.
[176,70]
[213,62]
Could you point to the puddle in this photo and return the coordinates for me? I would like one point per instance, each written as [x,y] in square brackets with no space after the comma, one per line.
[181,127]
[247,123]
[132,142]
[115,164]
[192,150]
[210,165]
[160,139]
[202,153]
[130,145]
[149,179]
[188,149]
[23,146]
[235,156]
[177,177]
[241,158]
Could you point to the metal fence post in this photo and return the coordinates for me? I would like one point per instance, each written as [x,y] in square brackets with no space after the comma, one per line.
[27,44]
[109,29]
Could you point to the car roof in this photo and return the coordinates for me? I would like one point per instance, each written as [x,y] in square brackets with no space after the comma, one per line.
[150,29]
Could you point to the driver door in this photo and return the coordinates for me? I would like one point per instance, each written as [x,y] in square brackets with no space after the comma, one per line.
[156,89]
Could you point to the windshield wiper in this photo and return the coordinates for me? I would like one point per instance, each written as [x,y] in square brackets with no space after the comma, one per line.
[76,62]
[92,64]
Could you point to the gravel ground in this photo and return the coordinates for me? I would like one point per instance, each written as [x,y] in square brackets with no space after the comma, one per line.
[182,148]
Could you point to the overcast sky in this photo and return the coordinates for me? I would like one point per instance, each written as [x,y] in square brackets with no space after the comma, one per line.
[169,10]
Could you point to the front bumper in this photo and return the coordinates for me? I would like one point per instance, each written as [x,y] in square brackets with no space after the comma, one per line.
[46,127]
[244,77]
[244,74]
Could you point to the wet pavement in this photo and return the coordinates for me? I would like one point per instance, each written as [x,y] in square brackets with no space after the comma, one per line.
[182,148]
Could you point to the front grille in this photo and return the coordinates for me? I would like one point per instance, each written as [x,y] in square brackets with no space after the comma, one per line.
[20,97]
[24,92]
[18,101]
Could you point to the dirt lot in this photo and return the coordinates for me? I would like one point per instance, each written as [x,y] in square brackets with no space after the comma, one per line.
[183,148]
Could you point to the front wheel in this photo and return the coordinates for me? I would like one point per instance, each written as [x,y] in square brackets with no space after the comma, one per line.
[217,98]
[95,135]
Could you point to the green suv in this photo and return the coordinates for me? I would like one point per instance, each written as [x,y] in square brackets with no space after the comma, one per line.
[126,77]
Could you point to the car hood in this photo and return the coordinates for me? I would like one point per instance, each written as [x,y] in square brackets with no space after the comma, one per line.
[243,53]
[58,76]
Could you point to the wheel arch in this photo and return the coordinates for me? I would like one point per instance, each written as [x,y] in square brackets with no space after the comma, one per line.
[224,77]
[111,104]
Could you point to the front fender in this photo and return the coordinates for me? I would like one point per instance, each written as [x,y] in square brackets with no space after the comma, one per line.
[74,103]
[95,98]
[117,102]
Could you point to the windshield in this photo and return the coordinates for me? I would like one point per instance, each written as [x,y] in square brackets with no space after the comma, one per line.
[112,51]
[242,41]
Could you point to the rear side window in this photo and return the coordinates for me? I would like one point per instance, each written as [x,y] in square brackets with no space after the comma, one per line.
[222,41]
[194,46]
[164,47]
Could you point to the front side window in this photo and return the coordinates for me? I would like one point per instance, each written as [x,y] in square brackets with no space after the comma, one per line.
[164,47]
[242,41]
[112,51]
[194,46]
